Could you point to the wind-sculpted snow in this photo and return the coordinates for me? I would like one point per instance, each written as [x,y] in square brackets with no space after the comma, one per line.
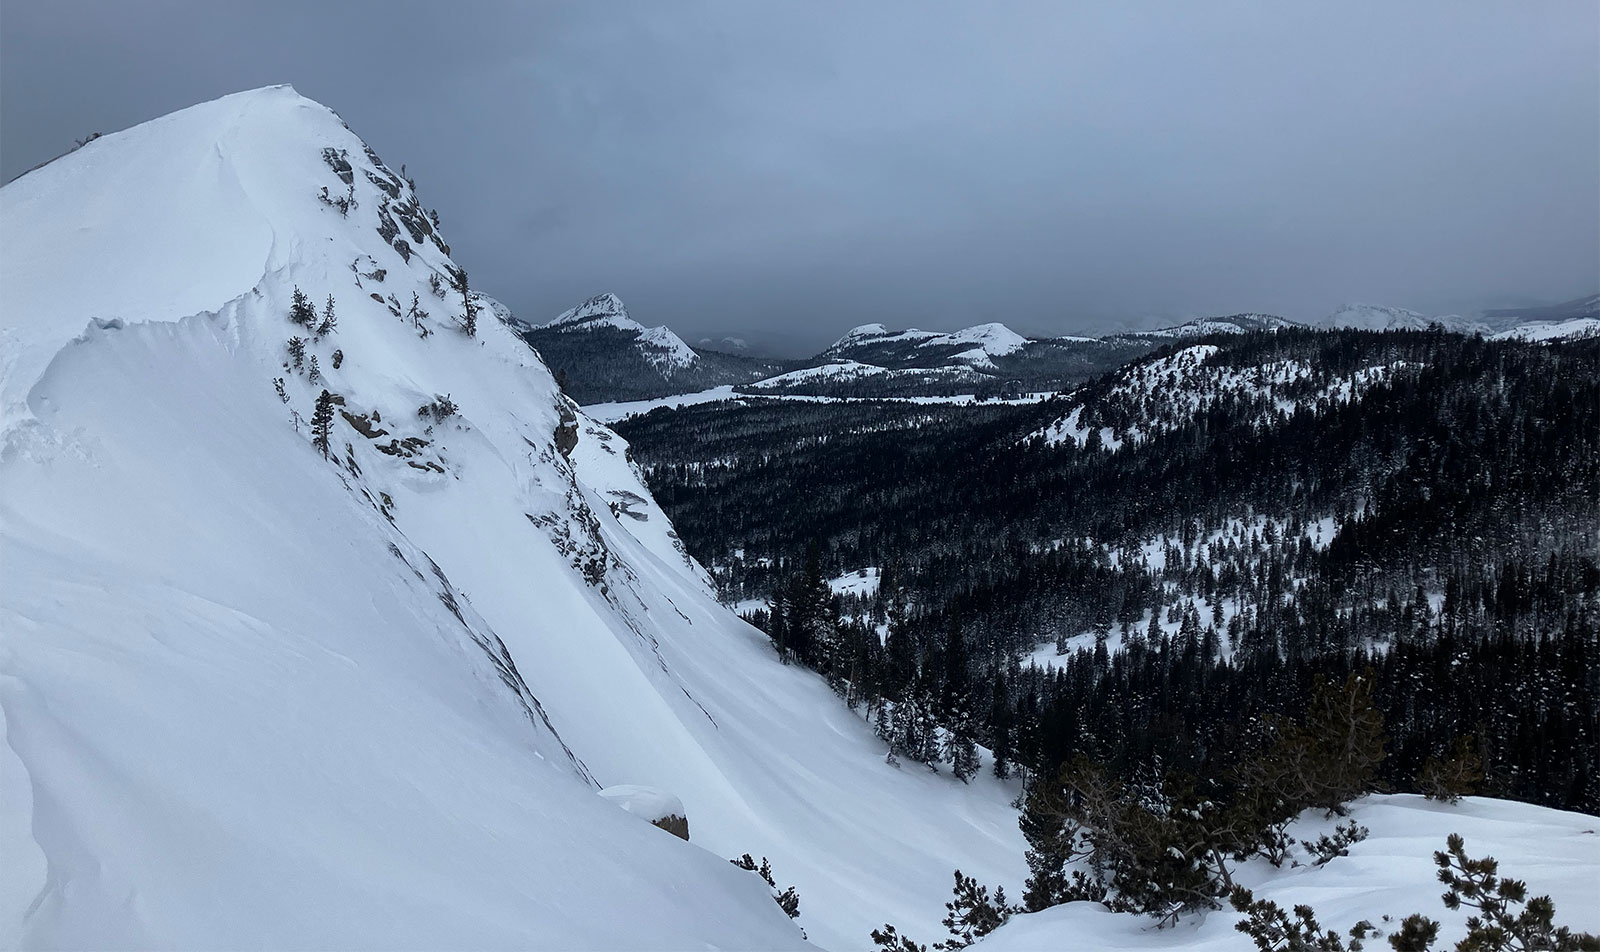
[256,697]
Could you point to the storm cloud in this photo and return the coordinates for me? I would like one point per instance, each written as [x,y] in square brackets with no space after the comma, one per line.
[782,171]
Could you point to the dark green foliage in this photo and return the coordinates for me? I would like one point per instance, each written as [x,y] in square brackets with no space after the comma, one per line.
[1498,925]
[1329,846]
[889,940]
[971,914]
[297,353]
[1454,776]
[1273,930]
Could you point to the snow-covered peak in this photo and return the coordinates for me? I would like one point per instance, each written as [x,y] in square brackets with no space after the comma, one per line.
[861,331]
[604,308]
[659,345]
[237,662]
[993,339]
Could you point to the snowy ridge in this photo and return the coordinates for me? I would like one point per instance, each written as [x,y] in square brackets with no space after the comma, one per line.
[242,677]
[1205,326]
[1166,392]
[1578,328]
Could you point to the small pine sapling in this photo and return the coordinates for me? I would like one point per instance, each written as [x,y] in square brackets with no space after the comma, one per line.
[329,321]
[971,914]
[888,939]
[1326,847]
[313,372]
[297,353]
[277,386]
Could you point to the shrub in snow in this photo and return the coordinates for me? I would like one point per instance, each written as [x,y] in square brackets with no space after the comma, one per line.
[1454,776]
[1327,847]
[1505,920]
[788,899]
[442,408]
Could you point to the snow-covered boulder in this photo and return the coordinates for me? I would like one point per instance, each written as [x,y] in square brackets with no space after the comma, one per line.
[651,804]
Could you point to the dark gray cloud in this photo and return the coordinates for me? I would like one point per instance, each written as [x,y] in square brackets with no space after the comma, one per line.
[791,169]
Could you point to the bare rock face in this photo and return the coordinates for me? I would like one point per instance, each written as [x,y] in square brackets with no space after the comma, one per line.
[567,429]
[659,807]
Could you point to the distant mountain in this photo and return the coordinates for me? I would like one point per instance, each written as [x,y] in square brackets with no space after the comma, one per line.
[602,354]
[1569,320]
[898,350]
[609,357]
[1579,317]
[1201,327]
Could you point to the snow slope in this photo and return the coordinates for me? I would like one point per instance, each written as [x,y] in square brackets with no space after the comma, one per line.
[1391,873]
[253,697]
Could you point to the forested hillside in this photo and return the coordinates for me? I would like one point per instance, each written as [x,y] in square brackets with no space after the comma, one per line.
[1192,539]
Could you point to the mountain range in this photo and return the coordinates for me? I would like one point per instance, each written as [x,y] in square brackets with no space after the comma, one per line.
[332,620]
[606,357]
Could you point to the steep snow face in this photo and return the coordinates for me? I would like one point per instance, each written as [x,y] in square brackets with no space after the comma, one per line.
[1385,878]
[255,696]
[659,345]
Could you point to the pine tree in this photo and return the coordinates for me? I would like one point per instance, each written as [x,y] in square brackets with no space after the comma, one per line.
[469,317]
[329,322]
[301,310]
[322,423]
[297,353]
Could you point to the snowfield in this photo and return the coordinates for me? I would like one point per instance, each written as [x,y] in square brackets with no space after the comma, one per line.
[1389,874]
[253,697]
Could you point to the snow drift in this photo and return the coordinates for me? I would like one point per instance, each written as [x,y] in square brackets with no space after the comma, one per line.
[255,697]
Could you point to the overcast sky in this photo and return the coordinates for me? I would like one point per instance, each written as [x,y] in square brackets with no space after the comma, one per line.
[783,171]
